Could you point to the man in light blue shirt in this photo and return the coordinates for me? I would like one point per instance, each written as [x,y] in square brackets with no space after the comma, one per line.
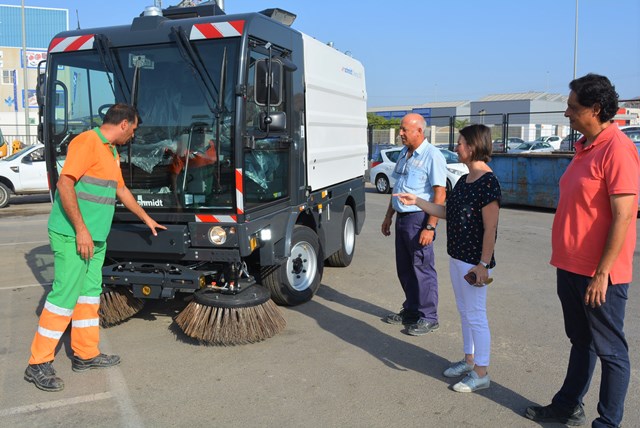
[422,170]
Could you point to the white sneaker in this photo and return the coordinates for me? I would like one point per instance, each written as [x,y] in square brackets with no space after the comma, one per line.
[472,382]
[458,369]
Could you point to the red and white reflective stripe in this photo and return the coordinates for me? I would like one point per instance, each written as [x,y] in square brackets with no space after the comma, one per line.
[239,191]
[69,44]
[217,30]
[208,218]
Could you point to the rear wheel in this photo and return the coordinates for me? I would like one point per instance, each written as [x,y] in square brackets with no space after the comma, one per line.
[382,184]
[343,257]
[4,195]
[297,280]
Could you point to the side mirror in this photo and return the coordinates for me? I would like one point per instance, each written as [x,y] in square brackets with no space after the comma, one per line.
[268,86]
[40,84]
[275,122]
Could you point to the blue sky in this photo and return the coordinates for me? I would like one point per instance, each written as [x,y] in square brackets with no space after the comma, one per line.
[418,51]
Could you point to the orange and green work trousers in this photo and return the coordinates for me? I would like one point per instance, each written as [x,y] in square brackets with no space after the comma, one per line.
[74,297]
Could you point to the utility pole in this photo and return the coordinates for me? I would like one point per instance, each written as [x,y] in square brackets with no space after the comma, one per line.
[25,85]
[575,46]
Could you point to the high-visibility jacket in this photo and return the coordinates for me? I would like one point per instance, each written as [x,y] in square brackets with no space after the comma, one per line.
[95,166]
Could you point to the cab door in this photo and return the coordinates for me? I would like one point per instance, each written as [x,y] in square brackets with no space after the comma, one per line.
[33,171]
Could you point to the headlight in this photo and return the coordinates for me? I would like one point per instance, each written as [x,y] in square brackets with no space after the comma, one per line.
[217,235]
[265,235]
[456,171]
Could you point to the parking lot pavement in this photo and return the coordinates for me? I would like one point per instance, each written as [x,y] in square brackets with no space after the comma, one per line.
[26,205]
[335,365]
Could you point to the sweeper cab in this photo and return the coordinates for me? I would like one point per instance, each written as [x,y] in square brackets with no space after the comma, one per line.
[251,149]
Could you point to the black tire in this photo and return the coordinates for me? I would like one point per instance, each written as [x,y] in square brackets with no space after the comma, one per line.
[343,257]
[5,193]
[382,184]
[297,280]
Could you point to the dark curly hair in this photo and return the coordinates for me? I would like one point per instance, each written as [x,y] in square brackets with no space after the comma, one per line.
[595,89]
[478,138]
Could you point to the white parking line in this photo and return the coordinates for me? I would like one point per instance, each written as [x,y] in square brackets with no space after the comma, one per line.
[54,404]
[24,243]
[129,416]
[13,287]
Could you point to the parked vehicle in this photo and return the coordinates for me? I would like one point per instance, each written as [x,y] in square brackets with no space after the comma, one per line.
[554,140]
[382,168]
[381,174]
[533,147]
[566,145]
[512,142]
[23,173]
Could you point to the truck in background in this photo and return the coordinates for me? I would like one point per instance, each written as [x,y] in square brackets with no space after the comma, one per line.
[251,148]
[23,173]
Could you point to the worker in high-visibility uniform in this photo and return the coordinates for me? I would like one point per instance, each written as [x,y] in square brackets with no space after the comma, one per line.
[79,223]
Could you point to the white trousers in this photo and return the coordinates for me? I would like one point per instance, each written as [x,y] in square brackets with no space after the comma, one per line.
[472,306]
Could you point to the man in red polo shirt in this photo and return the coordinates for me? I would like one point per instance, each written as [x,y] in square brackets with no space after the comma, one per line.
[593,240]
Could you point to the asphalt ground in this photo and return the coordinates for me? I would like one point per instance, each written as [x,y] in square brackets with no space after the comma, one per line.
[335,365]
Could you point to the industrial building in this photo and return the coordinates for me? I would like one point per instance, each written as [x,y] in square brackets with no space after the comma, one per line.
[21,51]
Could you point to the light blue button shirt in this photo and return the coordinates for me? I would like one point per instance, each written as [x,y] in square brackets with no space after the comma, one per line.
[418,174]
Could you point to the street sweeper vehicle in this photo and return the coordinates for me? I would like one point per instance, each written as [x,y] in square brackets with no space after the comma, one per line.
[251,149]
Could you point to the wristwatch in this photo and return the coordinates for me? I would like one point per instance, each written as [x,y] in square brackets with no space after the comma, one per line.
[486,265]
[430,227]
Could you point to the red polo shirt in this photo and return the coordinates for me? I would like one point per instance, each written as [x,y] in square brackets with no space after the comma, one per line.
[609,166]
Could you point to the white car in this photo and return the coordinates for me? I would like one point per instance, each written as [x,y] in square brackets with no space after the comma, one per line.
[554,140]
[23,173]
[382,169]
[533,147]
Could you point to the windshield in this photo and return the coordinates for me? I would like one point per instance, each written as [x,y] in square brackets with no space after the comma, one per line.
[182,154]
[16,154]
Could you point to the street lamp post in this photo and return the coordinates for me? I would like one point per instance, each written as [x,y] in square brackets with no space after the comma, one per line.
[25,85]
[575,46]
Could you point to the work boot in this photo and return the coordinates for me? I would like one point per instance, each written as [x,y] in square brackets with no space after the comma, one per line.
[403,317]
[101,361]
[44,377]
[422,327]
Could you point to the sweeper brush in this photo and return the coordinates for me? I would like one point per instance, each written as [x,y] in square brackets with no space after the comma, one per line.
[117,305]
[216,318]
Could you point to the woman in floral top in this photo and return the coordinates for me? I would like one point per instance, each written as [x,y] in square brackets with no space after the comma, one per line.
[472,224]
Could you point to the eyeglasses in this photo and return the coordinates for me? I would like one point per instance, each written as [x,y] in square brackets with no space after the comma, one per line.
[401,167]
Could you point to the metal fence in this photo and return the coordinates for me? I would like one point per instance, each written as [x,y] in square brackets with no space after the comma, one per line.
[526,126]
[15,137]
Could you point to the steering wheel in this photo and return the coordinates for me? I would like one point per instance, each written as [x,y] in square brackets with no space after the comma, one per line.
[102,110]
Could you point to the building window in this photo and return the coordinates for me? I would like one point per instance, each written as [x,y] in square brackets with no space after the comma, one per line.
[8,77]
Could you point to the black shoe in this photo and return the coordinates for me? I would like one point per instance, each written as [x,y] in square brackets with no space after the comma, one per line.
[44,377]
[102,361]
[422,327]
[403,317]
[553,413]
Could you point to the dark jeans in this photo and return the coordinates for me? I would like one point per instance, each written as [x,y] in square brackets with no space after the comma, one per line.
[594,333]
[415,264]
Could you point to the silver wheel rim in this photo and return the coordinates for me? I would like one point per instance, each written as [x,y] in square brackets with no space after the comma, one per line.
[349,235]
[302,266]
[4,196]
[381,184]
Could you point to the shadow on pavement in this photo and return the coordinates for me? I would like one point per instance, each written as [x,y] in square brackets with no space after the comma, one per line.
[394,353]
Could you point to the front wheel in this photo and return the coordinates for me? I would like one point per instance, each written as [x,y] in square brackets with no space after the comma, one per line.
[4,195]
[343,257]
[297,280]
